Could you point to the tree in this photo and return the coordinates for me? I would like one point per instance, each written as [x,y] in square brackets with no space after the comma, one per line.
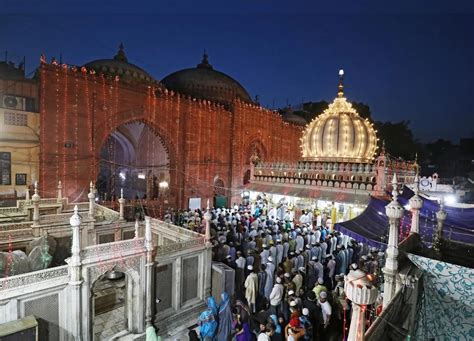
[398,137]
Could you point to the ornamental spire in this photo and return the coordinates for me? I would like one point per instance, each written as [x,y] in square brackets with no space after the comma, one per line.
[340,88]
[120,56]
[204,64]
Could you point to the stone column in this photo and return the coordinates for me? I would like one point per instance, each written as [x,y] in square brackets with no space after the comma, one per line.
[121,203]
[394,212]
[438,235]
[149,272]
[75,281]
[60,193]
[91,197]
[416,203]
[36,215]
[361,292]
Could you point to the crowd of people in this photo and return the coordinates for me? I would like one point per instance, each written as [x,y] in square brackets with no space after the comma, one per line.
[289,274]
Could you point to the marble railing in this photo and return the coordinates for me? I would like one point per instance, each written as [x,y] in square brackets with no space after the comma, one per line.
[34,277]
[159,225]
[163,250]
[55,218]
[108,249]
[105,213]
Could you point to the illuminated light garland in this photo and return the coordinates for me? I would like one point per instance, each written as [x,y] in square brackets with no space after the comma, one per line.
[43,114]
[76,133]
[56,124]
[64,124]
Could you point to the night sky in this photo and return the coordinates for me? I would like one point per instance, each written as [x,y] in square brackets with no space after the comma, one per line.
[414,62]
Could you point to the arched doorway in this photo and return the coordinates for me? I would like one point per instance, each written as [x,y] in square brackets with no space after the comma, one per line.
[220,193]
[109,297]
[134,158]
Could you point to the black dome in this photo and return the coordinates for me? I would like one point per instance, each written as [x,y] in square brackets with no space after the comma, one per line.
[206,83]
[294,118]
[119,66]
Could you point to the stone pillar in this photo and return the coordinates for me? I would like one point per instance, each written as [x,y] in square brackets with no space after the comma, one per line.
[27,195]
[60,193]
[361,292]
[75,281]
[394,212]
[121,203]
[207,218]
[137,231]
[438,235]
[91,197]
[36,215]
[416,203]
[149,272]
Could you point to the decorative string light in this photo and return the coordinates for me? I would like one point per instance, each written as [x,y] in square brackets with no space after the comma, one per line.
[65,124]
[42,112]
[76,123]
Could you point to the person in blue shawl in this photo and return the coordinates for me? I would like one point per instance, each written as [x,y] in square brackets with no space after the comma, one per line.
[208,320]
[225,319]
[211,304]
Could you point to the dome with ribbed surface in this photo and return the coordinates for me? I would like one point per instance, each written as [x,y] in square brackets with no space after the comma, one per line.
[206,83]
[119,66]
[339,134]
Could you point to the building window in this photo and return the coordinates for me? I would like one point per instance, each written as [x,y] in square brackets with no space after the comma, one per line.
[16,119]
[5,168]
[20,179]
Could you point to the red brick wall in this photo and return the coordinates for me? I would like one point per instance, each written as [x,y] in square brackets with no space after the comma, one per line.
[204,140]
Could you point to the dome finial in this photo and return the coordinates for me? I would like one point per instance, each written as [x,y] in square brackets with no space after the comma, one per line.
[205,62]
[340,88]
[120,56]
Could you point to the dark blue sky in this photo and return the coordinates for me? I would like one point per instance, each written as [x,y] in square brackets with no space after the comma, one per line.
[413,62]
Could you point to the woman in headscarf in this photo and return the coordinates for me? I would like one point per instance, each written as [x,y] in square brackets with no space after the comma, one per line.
[242,328]
[207,321]
[225,319]
[278,335]
[243,310]
[211,304]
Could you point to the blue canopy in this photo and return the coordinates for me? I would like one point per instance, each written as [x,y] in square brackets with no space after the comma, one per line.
[371,226]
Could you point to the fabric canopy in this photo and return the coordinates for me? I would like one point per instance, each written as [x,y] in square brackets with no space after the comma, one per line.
[446,309]
[371,226]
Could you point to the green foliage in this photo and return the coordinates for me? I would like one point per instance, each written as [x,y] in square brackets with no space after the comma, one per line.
[398,137]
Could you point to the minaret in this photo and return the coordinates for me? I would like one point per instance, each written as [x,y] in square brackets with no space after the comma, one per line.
[122,204]
[137,229]
[394,213]
[362,293]
[36,202]
[440,217]
[91,197]
[60,193]
[416,203]
[149,270]
[207,218]
[75,280]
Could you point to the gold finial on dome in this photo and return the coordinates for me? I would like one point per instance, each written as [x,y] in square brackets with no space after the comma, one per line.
[340,88]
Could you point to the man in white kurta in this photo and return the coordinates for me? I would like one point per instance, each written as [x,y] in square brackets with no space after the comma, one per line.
[251,288]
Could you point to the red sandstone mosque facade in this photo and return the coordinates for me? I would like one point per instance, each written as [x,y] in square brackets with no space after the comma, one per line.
[112,123]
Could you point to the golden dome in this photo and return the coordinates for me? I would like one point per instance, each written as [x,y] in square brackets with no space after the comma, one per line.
[339,134]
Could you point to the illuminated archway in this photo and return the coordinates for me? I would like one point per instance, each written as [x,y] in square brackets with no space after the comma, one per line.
[133,157]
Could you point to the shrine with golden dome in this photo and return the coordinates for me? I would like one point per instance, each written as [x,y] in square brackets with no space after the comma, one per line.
[338,170]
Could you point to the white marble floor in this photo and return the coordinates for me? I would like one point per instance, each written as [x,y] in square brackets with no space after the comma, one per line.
[109,324]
